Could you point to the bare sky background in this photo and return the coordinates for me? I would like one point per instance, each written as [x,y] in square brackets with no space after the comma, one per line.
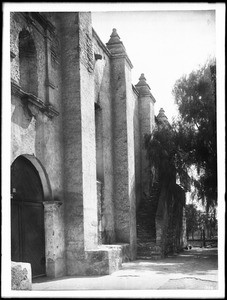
[163,45]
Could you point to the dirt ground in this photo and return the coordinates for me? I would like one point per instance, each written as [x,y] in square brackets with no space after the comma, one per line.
[194,269]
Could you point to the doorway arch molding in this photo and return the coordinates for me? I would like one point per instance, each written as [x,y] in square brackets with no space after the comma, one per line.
[47,192]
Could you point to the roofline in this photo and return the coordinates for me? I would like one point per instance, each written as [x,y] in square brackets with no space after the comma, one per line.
[101,44]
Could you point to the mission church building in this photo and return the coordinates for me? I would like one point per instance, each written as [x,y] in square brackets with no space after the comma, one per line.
[79,170]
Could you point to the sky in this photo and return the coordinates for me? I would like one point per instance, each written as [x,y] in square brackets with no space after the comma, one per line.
[163,45]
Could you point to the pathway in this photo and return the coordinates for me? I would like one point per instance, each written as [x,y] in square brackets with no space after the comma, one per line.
[195,269]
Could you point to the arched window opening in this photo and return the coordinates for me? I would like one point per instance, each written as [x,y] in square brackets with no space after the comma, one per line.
[28,63]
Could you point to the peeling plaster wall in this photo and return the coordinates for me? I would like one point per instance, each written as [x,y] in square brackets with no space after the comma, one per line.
[39,134]
[23,132]
[33,132]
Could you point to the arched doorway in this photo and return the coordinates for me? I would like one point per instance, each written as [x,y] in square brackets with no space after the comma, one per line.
[27,216]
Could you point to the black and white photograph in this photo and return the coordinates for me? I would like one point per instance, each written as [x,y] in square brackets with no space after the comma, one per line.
[113,150]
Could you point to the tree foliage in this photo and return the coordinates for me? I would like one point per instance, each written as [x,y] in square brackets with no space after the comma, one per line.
[192,221]
[196,98]
[166,157]
[191,139]
[197,221]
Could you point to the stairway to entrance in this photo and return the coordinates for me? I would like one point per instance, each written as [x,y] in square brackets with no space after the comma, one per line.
[146,229]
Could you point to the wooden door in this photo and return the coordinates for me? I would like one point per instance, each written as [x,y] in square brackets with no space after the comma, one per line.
[27,216]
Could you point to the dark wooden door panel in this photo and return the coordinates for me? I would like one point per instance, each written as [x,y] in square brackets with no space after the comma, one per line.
[15,232]
[33,237]
[27,216]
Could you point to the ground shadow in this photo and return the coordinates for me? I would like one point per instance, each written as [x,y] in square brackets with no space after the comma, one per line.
[197,261]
